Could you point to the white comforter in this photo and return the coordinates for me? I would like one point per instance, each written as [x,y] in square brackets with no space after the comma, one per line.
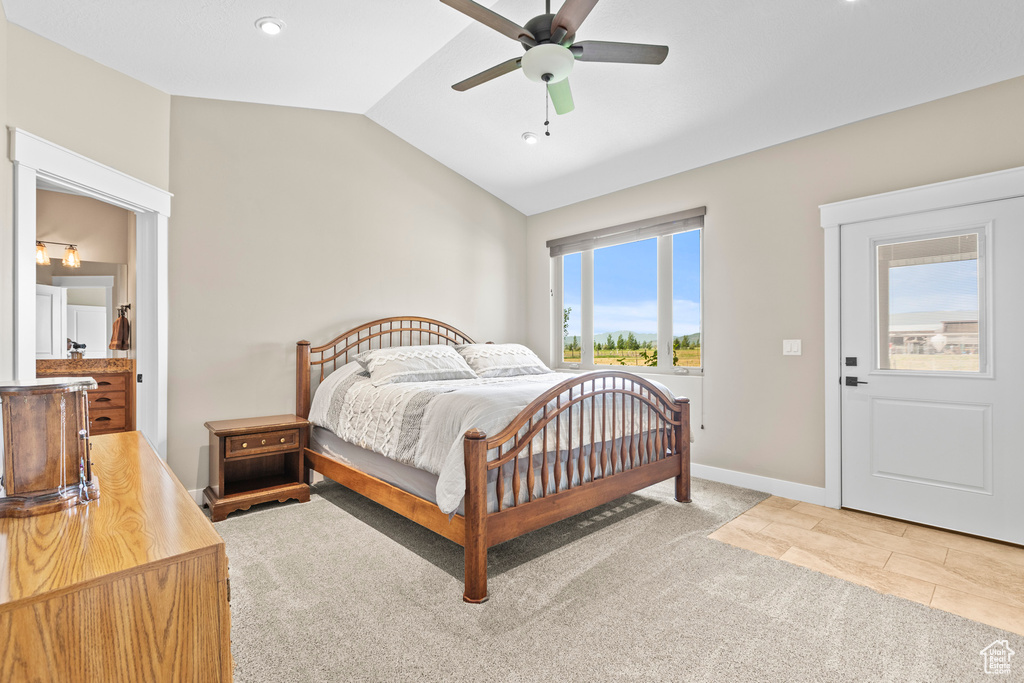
[423,423]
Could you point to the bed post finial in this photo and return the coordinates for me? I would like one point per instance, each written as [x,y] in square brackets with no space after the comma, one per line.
[475,445]
[302,379]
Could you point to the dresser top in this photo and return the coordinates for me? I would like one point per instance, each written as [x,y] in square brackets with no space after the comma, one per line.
[144,516]
[48,385]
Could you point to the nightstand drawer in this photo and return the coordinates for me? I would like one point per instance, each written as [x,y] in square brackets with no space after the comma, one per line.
[105,400]
[104,421]
[265,442]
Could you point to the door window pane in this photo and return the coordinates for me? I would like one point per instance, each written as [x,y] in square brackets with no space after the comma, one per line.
[626,304]
[686,299]
[929,306]
[572,307]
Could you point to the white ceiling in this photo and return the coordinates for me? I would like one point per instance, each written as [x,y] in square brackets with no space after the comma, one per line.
[741,74]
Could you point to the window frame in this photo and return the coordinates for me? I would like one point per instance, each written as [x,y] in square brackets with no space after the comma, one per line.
[664,287]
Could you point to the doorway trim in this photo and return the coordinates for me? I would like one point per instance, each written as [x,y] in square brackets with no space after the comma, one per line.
[36,159]
[989,187]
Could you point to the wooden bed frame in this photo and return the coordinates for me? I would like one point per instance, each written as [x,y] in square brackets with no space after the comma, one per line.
[615,465]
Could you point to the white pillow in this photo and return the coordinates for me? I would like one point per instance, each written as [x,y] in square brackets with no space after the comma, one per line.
[414,364]
[502,360]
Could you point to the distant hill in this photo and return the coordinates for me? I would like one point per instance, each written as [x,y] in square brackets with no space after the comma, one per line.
[653,338]
[603,336]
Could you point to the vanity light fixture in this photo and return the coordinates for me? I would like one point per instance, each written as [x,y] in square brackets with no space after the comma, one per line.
[270,25]
[42,258]
[71,257]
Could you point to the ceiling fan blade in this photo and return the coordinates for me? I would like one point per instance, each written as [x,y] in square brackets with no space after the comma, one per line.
[484,76]
[561,96]
[492,19]
[569,18]
[625,53]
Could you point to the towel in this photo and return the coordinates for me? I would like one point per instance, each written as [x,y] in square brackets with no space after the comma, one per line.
[119,340]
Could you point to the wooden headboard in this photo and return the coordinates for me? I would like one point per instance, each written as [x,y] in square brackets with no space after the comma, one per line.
[379,334]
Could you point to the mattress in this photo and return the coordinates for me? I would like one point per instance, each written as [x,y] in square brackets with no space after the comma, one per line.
[406,477]
[411,479]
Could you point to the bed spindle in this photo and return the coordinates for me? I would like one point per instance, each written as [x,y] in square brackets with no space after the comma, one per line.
[558,443]
[544,456]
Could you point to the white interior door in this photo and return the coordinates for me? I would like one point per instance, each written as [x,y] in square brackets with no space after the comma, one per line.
[88,325]
[51,335]
[932,406]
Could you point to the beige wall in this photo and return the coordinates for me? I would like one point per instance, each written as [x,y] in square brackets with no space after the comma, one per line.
[99,230]
[86,107]
[763,261]
[297,224]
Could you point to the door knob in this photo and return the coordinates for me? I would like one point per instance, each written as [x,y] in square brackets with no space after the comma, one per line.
[853,381]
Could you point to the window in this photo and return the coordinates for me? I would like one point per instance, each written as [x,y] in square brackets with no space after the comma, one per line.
[626,304]
[929,310]
[628,292]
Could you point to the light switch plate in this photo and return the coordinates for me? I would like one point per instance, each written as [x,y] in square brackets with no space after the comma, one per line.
[791,347]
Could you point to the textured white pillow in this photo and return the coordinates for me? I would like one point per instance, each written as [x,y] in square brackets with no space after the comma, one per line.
[414,364]
[502,360]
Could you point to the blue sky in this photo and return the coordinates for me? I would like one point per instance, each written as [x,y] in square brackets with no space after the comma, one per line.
[934,287]
[626,286]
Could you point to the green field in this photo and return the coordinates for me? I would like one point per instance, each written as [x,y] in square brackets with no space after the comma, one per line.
[686,357]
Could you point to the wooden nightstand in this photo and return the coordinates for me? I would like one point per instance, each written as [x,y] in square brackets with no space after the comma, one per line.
[255,460]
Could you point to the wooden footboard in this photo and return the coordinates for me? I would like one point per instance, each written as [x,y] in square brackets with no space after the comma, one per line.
[585,442]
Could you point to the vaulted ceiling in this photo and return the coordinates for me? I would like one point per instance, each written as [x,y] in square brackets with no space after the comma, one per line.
[741,74]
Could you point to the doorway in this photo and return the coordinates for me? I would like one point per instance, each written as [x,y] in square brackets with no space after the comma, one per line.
[39,162]
[924,412]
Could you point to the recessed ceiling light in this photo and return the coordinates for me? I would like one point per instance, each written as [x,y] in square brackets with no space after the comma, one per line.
[530,138]
[270,25]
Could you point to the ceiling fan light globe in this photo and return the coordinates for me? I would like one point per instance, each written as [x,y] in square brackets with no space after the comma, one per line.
[545,59]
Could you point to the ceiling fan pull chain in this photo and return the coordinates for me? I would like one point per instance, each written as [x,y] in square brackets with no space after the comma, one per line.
[547,118]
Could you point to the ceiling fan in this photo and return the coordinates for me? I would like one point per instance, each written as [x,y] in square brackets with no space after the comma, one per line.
[550,48]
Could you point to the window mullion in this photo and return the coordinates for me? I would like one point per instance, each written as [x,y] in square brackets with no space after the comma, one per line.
[587,314]
[556,342]
[665,302]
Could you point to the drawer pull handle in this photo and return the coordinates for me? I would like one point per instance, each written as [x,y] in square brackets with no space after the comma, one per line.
[263,443]
[103,400]
[245,445]
[102,419]
[282,439]
[103,383]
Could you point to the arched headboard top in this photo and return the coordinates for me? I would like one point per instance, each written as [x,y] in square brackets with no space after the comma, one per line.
[379,334]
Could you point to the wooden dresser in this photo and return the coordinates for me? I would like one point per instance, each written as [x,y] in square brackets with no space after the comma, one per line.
[130,587]
[112,404]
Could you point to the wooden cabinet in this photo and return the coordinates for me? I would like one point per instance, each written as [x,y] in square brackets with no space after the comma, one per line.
[112,403]
[255,460]
[130,587]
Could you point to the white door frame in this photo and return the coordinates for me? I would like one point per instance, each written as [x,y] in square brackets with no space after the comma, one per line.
[36,159]
[990,187]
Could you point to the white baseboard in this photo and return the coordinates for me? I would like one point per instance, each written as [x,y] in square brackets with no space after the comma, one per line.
[776,487]
[197,496]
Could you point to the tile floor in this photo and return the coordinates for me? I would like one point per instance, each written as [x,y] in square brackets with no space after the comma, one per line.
[977,579]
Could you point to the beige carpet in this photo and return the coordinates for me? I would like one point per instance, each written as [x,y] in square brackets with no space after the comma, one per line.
[340,589]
